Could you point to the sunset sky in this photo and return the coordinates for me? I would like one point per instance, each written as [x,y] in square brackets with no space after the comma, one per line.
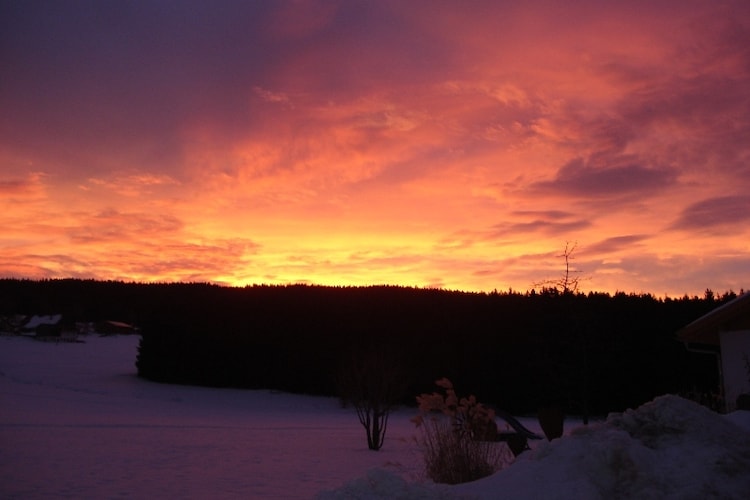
[452,144]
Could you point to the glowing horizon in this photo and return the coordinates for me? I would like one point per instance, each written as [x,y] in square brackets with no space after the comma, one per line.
[449,145]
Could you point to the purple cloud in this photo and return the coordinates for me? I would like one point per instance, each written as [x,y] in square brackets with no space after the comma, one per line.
[551,222]
[614,244]
[713,213]
[606,176]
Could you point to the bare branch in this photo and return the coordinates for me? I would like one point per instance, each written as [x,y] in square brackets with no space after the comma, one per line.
[569,282]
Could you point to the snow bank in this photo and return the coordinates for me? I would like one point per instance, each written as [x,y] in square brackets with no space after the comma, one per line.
[667,448]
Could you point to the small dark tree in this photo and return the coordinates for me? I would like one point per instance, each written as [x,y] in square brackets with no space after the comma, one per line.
[373,383]
[569,282]
[567,287]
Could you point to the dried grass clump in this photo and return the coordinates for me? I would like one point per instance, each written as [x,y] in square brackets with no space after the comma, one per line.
[457,437]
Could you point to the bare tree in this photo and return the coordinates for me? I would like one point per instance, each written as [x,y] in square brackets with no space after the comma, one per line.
[373,384]
[569,282]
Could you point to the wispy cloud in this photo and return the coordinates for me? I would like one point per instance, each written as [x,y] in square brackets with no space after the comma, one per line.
[607,175]
[132,184]
[715,213]
[272,97]
[549,222]
[20,189]
[111,225]
[626,243]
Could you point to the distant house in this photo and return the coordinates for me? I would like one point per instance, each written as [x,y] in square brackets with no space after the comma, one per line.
[110,327]
[726,331]
[43,326]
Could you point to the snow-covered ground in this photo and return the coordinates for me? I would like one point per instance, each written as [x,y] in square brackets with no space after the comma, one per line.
[76,422]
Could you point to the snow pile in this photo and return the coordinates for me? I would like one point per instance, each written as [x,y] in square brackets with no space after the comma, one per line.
[681,450]
[668,448]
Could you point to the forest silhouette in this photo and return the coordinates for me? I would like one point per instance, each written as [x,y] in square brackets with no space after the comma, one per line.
[588,353]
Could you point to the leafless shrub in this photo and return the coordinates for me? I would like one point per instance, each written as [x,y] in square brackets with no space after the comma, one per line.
[373,384]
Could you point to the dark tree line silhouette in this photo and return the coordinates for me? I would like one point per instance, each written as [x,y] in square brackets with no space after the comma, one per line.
[589,353]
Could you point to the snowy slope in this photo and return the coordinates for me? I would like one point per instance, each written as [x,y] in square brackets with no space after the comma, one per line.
[76,422]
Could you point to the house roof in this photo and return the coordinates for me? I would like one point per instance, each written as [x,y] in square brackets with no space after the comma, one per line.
[51,319]
[733,315]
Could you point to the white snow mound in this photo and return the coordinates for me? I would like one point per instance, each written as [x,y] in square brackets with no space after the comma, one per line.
[669,448]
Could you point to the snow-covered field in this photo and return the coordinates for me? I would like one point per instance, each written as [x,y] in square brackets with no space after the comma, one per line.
[76,422]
